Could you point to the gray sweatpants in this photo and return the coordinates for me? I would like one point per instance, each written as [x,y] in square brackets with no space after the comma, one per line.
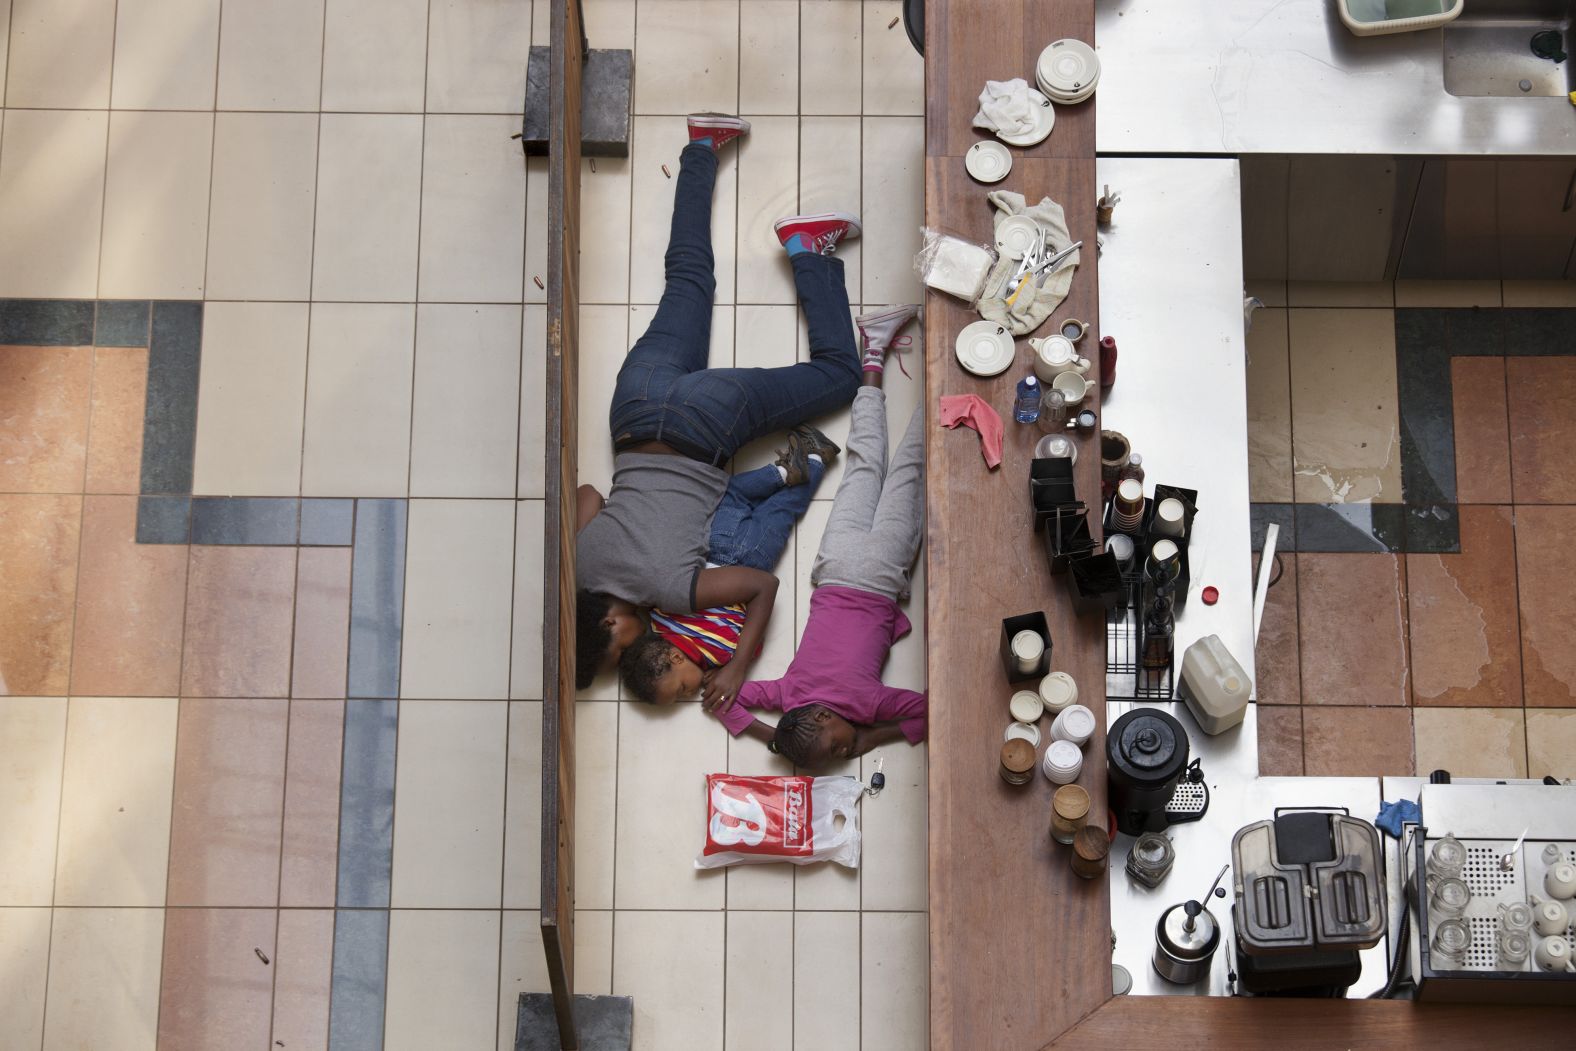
[878,516]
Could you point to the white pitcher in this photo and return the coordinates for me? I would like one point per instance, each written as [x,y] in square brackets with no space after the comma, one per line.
[1054,355]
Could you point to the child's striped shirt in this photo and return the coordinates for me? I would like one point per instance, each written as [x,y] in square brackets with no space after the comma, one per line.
[709,637]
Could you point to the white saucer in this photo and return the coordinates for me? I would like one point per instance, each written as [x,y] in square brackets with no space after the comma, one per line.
[988,161]
[1016,235]
[1067,67]
[985,348]
[1044,121]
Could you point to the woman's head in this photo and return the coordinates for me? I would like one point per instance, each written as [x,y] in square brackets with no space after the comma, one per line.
[604,628]
[813,736]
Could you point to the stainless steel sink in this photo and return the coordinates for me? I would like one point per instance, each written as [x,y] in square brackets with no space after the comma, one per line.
[1488,50]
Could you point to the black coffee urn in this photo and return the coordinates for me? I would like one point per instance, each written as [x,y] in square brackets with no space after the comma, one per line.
[1146,756]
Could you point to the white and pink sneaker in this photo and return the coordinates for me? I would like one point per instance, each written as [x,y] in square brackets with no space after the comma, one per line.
[816,233]
[720,128]
[880,329]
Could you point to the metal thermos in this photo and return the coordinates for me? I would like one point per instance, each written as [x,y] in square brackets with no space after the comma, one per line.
[1186,938]
[1146,755]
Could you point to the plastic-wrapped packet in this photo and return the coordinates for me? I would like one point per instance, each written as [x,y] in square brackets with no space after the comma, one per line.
[952,265]
[800,820]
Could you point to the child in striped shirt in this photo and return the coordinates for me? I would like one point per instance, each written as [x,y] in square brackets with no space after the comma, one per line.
[751,527]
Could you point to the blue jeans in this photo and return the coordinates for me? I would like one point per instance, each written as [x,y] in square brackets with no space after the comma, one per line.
[664,390]
[753,523]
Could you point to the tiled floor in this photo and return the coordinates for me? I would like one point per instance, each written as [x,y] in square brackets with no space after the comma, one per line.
[277,786]
[1414,443]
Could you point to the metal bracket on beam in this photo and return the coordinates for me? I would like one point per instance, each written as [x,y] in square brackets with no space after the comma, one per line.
[606,88]
[602,1023]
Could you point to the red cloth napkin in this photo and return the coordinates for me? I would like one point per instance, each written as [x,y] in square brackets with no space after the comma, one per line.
[973,411]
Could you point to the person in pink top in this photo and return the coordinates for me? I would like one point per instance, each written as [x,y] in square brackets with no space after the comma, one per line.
[833,701]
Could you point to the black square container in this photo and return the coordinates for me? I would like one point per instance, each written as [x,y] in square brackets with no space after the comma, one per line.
[1010,626]
[1096,581]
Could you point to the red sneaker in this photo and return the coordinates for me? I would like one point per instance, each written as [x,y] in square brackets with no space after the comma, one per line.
[718,127]
[821,232]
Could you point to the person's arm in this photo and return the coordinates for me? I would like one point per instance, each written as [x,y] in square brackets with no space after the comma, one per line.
[587,503]
[726,586]
[761,731]
[869,737]
[760,693]
[906,708]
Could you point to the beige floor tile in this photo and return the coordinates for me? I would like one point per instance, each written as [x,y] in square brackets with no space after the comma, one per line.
[104,979]
[49,224]
[826,981]
[237,636]
[894,72]
[310,830]
[1539,293]
[664,756]
[165,54]
[260,223]
[1471,742]
[1270,293]
[596,800]
[115,801]
[1340,294]
[215,991]
[604,231]
[1447,294]
[676,1008]
[525,664]
[156,206]
[322,622]
[829,56]
[768,190]
[465,431]
[358,400]
[442,979]
[473,57]
[459,557]
[656,143]
[1269,409]
[700,39]
[894,206]
[1345,435]
[759,1016]
[251,399]
[830,181]
[305,962]
[368,207]
[449,805]
[531,466]
[1551,742]
[375,56]
[60,54]
[5,30]
[605,336]
[612,22]
[525,967]
[271,55]
[758,887]
[894,980]
[894,854]
[25,935]
[535,229]
[472,208]
[769,58]
[34,732]
[522,817]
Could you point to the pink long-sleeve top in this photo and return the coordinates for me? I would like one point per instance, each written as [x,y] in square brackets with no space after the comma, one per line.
[838,664]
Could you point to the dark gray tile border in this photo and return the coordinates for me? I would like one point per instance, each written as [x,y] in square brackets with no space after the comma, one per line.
[46,322]
[366,804]
[602,1023]
[164,519]
[169,430]
[121,323]
[1433,529]
[1283,515]
[1539,331]
[244,520]
[377,598]
[1351,527]
[1426,415]
[327,523]
[360,983]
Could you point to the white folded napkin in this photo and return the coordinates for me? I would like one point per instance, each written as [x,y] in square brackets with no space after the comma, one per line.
[1005,107]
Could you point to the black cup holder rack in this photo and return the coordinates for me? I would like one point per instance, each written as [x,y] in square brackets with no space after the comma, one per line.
[1126,678]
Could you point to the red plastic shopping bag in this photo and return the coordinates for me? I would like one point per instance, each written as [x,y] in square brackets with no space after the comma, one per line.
[801,820]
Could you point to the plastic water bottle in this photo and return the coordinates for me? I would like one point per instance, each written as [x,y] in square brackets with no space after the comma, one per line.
[1026,409]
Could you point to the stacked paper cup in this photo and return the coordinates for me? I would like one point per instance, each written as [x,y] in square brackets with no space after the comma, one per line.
[1074,724]
[1062,763]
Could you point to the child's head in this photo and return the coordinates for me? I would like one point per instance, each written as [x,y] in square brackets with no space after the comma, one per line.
[813,736]
[656,671]
[604,627]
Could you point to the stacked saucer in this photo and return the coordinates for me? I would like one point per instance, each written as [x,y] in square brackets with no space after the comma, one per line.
[1067,71]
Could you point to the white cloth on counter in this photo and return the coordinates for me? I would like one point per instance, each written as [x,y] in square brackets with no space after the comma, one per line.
[1028,311]
[1005,107]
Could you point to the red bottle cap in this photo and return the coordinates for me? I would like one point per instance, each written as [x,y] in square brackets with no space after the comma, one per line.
[1211,595]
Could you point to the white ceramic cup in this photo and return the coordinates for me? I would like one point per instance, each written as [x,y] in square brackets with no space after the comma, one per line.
[1062,763]
[1072,385]
[1560,880]
[1553,954]
[1548,916]
[1026,706]
[1075,724]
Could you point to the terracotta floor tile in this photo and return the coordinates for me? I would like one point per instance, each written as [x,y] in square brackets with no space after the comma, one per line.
[1280,741]
[1346,440]
[1352,628]
[311,825]
[229,794]
[131,606]
[1546,561]
[1551,743]
[1477,390]
[238,611]
[120,390]
[44,418]
[1276,656]
[217,988]
[1269,409]
[1461,609]
[322,622]
[1471,742]
[1356,742]
[1542,429]
[38,588]
[306,964]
